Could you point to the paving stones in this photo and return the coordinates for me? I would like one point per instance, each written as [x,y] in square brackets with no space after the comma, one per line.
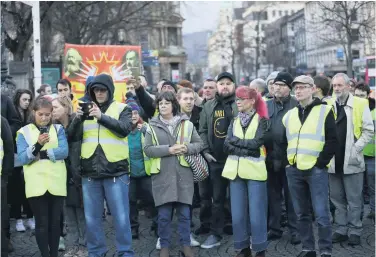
[25,244]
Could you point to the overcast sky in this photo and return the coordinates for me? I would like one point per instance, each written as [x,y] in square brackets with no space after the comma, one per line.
[203,15]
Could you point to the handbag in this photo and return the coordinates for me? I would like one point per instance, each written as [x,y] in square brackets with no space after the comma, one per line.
[196,161]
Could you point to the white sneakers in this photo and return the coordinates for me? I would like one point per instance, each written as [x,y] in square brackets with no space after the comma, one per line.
[30,223]
[194,243]
[20,227]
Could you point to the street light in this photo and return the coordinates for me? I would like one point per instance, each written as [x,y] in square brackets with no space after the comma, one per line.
[36,44]
[121,36]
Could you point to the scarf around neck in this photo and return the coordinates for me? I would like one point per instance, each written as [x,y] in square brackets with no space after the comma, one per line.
[171,124]
[245,117]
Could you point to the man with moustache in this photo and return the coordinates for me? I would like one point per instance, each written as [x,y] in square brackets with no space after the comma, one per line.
[72,63]
[132,62]
[215,118]
[276,148]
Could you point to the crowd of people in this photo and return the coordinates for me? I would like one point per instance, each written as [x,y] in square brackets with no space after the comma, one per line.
[281,151]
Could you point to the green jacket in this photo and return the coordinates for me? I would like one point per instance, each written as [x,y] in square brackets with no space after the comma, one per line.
[206,121]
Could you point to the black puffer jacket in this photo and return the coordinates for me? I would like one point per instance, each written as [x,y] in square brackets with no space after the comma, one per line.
[97,166]
[276,142]
[246,147]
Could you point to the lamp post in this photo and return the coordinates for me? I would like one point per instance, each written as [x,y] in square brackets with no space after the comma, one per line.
[36,44]
[121,36]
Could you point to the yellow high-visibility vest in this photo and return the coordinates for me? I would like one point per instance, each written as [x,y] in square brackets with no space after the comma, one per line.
[246,167]
[305,142]
[359,104]
[44,175]
[114,147]
[156,162]
[369,149]
[1,155]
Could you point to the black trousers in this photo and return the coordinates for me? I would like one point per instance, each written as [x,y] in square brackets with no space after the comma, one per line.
[140,188]
[17,196]
[47,211]
[4,220]
[213,213]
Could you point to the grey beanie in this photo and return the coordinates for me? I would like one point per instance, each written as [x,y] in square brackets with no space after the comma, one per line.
[271,76]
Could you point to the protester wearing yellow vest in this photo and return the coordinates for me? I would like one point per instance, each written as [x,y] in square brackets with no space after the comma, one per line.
[311,137]
[170,137]
[363,91]
[105,166]
[6,167]
[354,131]
[245,168]
[140,165]
[41,150]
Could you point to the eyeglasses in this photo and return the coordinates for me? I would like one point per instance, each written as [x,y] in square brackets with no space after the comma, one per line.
[240,99]
[298,88]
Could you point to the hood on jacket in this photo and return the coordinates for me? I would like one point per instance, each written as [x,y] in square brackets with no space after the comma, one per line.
[102,80]
[157,122]
[86,97]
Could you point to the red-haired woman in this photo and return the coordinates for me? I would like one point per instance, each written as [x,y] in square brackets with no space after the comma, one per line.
[245,167]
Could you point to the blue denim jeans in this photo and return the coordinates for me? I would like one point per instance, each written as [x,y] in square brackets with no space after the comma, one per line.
[115,190]
[249,205]
[305,187]
[370,167]
[184,223]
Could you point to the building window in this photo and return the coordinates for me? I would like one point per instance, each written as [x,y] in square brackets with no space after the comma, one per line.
[354,16]
[355,54]
[286,12]
[280,13]
[262,26]
[273,13]
[292,11]
[355,34]
[172,36]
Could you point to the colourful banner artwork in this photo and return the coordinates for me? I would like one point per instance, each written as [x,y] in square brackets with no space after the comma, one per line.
[82,61]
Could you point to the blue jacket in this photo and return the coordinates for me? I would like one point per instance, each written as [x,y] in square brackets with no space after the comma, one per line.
[24,151]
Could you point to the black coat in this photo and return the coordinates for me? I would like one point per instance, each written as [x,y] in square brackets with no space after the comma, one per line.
[276,142]
[8,111]
[246,147]
[97,166]
[146,102]
[8,148]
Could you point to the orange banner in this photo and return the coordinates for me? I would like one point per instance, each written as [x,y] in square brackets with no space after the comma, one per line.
[82,61]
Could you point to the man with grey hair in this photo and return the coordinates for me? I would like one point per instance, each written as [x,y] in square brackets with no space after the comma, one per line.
[259,85]
[270,83]
[354,131]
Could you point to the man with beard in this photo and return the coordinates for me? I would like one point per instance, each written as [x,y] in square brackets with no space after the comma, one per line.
[132,62]
[72,62]
[276,147]
[215,118]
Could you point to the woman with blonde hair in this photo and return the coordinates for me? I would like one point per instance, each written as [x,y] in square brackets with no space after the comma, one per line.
[75,218]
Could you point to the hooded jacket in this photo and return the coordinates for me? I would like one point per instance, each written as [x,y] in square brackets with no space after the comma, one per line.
[86,97]
[329,148]
[97,166]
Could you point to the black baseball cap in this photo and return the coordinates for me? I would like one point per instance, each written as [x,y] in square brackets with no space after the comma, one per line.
[226,75]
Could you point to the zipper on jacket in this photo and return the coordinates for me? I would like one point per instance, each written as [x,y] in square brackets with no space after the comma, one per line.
[297,143]
[98,173]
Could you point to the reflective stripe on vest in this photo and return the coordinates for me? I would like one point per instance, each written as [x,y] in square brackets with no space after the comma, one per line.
[44,175]
[1,155]
[359,104]
[115,148]
[156,162]
[305,142]
[369,149]
[246,167]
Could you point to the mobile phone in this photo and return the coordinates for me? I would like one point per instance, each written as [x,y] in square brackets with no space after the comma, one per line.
[43,130]
[86,106]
